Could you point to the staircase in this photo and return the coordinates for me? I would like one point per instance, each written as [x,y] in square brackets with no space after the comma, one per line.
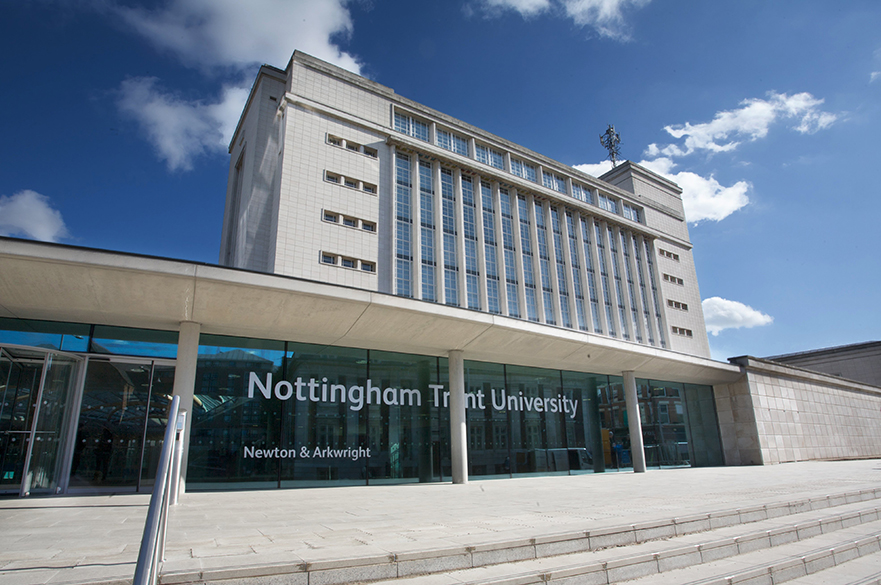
[832,539]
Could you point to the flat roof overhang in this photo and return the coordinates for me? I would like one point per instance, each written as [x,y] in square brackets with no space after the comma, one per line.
[64,283]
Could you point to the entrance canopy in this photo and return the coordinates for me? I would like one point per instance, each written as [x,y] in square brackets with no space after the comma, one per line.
[65,283]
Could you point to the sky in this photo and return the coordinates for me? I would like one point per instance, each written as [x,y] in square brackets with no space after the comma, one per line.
[115,117]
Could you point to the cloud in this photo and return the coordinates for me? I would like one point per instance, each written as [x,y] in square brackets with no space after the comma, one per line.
[874,75]
[237,34]
[703,198]
[605,17]
[526,8]
[30,214]
[721,314]
[179,129]
[752,121]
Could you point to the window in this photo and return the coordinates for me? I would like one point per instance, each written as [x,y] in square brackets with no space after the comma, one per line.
[630,212]
[352,184]
[490,157]
[608,204]
[371,152]
[332,177]
[554,182]
[677,305]
[349,263]
[328,259]
[353,146]
[331,217]
[350,222]
[368,188]
[349,145]
[452,142]
[368,266]
[581,193]
[669,255]
[368,226]
[411,127]
[523,170]
[334,140]
[673,279]
[682,331]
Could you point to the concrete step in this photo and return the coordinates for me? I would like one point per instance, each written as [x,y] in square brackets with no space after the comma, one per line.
[607,555]
[865,570]
[679,563]
[825,558]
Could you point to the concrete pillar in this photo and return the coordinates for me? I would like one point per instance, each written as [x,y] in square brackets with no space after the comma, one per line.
[185,381]
[634,422]
[458,427]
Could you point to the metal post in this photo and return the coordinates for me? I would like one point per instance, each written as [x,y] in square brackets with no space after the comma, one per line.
[178,457]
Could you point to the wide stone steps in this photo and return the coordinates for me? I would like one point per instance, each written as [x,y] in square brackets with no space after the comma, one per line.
[691,557]
[607,555]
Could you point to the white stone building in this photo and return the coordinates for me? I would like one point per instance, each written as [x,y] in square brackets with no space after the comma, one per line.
[336,178]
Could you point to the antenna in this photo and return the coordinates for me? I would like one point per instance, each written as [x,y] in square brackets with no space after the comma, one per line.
[610,141]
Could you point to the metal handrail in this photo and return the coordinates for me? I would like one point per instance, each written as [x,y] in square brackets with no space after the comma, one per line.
[152,550]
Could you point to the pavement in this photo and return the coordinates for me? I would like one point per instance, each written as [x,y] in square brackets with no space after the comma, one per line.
[95,539]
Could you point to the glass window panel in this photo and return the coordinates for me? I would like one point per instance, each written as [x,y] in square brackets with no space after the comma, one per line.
[488,449]
[48,334]
[136,342]
[225,421]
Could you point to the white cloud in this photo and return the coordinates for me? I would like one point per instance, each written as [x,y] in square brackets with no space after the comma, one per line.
[233,33]
[179,129]
[752,121]
[595,170]
[526,8]
[703,198]
[30,214]
[606,17]
[874,75]
[721,314]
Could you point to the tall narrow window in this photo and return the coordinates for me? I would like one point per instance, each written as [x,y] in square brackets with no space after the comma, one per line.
[631,286]
[544,263]
[469,221]
[581,193]
[619,286]
[646,319]
[526,252]
[403,227]
[451,262]
[427,228]
[509,252]
[493,301]
[591,277]
[580,315]
[560,259]
[604,277]
[552,181]
[649,255]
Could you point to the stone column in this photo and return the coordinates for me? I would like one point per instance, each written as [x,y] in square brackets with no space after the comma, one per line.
[458,427]
[637,450]
[185,381]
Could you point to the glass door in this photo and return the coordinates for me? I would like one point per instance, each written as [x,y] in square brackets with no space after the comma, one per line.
[122,419]
[35,392]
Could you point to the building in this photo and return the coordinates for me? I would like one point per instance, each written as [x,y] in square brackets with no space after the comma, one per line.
[402,297]
[856,361]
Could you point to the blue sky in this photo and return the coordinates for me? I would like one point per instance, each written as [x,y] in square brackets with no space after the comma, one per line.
[115,117]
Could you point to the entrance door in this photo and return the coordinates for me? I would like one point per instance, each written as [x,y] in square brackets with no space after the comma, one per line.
[122,419]
[35,391]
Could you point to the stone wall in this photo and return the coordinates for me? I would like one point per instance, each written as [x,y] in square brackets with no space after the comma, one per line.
[777,413]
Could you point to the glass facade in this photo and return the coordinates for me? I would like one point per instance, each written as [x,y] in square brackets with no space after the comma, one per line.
[275,414]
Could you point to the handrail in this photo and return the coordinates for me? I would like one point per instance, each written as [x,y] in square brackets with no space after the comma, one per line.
[152,550]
